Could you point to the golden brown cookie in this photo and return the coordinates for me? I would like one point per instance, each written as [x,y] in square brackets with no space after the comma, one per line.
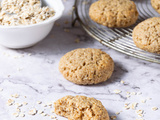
[156,5]
[146,35]
[86,66]
[80,108]
[114,13]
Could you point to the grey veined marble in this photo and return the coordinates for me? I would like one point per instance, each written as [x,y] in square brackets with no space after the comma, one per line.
[34,73]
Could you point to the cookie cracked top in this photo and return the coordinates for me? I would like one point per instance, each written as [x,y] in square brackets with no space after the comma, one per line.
[86,66]
[114,13]
[146,35]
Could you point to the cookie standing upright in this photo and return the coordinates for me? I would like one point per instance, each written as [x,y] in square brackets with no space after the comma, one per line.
[146,35]
[80,108]
[86,66]
[156,5]
[114,13]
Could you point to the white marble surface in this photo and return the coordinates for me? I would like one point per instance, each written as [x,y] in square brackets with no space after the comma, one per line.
[34,73]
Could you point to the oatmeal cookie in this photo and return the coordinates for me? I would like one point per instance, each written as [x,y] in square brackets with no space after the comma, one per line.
[146,35]
[86,66]
[156,5]
[80,108]
[114,13]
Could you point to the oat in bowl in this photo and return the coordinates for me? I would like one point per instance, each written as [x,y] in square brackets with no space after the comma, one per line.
[24,23]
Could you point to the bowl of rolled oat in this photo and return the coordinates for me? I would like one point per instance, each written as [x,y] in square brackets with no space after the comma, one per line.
[23,23]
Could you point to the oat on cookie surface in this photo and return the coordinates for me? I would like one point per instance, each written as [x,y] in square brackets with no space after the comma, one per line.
[86,66]
[114,13]
[80,108]
[156,5]
[146,35]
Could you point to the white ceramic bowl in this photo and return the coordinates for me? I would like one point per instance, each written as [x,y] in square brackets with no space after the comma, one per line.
[26,36]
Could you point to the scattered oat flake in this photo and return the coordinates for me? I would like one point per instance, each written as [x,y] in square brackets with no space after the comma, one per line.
[44,114]
[15,95]
[128,92]
[32,111]
[52,117]
[134,105]
[52,111]
[49,104]
[44,105]
[18,104]
[127,96]
[131,106]
[1,89]
[139,111]
[117,113]
[154,108]
[66,30]
[149,98]
[113,117]
[117,91]
[21,115]
[139,119]
[10,102]
[139,93]
[16,114]
[127,106]
[77,40]
[29,54]
[39,102]
[143,101]
[140,115]
[57,24]
[85,2]
[18,110]
[40,111]
[133,93]
[66,22]
[122,82]
[25,103]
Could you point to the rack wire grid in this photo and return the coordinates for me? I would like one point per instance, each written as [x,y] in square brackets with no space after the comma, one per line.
[119,39]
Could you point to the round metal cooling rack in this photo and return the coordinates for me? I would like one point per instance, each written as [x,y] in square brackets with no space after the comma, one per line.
[119,39]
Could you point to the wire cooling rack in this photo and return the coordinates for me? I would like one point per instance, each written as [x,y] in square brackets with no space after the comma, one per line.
[119,39]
